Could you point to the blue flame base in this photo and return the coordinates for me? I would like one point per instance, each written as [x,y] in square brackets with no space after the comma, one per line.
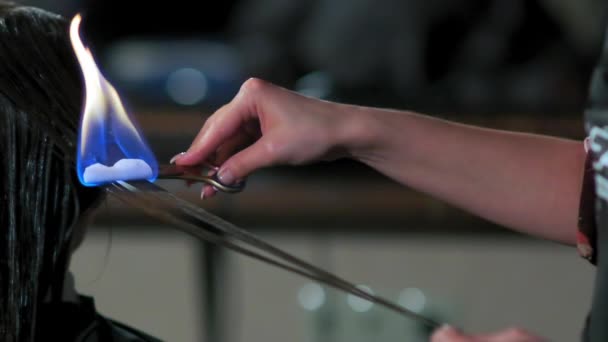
[112,150]
[123,170]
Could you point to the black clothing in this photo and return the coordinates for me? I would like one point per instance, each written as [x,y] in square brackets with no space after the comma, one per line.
[596,125]
[80,322]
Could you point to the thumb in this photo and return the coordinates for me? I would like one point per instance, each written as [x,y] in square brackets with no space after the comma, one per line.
[259,155]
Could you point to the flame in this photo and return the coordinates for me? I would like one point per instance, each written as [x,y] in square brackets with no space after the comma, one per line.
[109,143]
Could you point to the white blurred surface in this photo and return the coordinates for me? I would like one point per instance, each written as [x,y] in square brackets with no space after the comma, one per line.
[480,284]
[148,280]
[152,282]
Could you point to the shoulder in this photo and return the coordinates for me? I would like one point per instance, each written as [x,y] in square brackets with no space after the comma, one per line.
[124,333]
[80,322]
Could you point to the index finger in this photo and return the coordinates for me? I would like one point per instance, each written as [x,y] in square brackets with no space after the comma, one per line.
[220,126]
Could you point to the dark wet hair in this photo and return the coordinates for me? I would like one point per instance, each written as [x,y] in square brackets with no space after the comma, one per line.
[40,101]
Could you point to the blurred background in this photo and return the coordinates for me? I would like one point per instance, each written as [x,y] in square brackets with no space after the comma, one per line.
[520,64]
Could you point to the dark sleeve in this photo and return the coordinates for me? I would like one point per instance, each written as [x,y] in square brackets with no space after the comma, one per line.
[587,230]
[124,333]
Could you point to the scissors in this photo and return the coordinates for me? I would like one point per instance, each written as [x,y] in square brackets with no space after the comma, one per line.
[204,173]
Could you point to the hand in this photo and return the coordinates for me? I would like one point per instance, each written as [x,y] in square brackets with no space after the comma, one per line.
[449,334]
[265,125]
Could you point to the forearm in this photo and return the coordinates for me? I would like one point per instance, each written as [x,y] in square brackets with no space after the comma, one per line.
[526,182]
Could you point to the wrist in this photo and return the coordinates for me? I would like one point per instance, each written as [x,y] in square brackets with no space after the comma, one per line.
[360,133]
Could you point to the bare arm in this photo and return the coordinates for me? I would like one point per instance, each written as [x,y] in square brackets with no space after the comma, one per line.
[527,182]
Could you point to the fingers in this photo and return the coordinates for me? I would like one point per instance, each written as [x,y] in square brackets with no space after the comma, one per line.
[511,335]
[208,191]
[449,334]
[259,155]
[230,147]
[240,165]
[221,155]
[223,124]
[219,127]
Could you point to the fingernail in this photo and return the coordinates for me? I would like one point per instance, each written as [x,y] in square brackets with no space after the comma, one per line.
[225,176]
[176,157]
[203,193]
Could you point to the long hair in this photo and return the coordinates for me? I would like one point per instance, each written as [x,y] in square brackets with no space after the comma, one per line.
[40,101]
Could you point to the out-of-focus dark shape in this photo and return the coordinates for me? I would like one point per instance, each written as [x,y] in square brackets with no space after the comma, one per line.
[173,54]
[582,22]
[63,7]
[182,72]
[467,56]
[435,55]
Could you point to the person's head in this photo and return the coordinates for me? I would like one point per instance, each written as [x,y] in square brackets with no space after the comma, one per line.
[41,198]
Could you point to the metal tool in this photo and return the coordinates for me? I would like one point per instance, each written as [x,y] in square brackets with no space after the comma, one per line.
[158,202]
[204,173]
